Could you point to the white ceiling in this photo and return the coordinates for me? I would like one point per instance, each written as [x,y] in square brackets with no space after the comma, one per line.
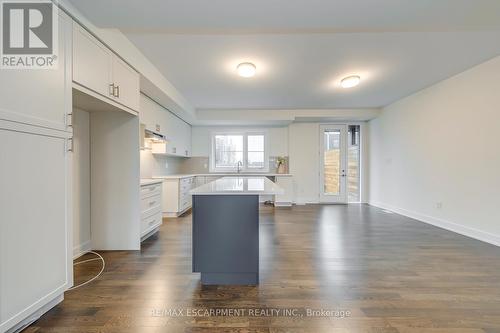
[233,16]
[303,48]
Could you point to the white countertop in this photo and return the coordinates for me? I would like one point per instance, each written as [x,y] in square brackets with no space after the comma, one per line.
[148,181]
[179,176]
[239,186]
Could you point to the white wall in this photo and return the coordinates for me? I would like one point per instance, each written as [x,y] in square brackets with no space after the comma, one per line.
[305,162]
[81,182]
[277,138]
[441,146]
[114,173]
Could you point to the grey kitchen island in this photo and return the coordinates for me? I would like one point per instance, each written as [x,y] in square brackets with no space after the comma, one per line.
[226,229]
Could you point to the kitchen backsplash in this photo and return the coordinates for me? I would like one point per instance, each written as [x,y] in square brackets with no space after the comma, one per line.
[155,165]
[196,164]
[200,164]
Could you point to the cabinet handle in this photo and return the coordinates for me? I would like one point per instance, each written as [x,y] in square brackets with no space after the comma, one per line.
[152,222]
[112,89]
[69,120]
[152,203]
[70,145]
[116,91]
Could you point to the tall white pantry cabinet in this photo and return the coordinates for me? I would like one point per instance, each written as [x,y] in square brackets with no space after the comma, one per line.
[35,187]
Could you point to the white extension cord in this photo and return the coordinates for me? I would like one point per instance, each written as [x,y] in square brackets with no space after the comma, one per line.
[84,261]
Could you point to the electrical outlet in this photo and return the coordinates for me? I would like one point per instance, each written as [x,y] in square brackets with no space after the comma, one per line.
[439,205]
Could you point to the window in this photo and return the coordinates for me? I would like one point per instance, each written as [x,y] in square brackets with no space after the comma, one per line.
[228,150]
[246,150]
[255,151]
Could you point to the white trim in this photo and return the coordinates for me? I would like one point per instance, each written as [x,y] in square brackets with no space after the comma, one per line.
[8,115]
[80,249]
[31,129]
[441,223]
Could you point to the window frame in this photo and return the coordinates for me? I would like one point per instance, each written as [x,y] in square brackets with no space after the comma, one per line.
[245,134]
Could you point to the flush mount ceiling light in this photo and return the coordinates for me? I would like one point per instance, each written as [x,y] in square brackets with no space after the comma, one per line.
[350,81]
[246,69]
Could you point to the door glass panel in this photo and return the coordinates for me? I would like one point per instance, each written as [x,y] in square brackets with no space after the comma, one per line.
[331,163]
[353,162]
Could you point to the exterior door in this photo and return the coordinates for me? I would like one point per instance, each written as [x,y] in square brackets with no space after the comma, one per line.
[333,164]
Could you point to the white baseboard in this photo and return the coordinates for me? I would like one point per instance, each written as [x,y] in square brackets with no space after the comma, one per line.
[81,249]
[306,201]
[283,204]
[441,223]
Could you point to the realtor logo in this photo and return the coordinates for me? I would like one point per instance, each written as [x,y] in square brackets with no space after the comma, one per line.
[29,35]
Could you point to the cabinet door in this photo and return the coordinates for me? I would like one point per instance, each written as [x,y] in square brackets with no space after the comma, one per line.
[184,138]
[92,62]
[173,133]
[35,228]
[126,81]
[152,115]
[40,97]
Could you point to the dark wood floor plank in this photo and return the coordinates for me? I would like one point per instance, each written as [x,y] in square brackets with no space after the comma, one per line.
[392,273]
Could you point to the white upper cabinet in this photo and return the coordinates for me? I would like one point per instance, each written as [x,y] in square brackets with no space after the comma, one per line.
[125,84]
[98,69]
[40,97]
[179,136]
[160,120]
[185,139]
[92,62]
[152,115]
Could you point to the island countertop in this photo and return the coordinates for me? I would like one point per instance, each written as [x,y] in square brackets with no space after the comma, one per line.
[239,186]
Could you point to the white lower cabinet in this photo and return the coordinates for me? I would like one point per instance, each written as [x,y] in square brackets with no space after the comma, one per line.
[151,217]
[177,199]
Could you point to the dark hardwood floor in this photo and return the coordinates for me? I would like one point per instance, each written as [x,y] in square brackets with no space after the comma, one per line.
[391,273]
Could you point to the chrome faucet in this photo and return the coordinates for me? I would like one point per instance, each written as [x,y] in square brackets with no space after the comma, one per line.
[240,164]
